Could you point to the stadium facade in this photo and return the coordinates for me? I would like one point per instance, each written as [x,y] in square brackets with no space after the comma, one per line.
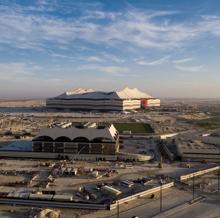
[79,140]
[150,102]
[88,99]
[90,141]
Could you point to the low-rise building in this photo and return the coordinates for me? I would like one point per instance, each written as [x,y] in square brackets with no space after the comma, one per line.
[201,148]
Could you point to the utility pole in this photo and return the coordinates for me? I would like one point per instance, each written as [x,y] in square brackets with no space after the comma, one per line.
[218,181]
[117,209]
[193,187]
[161,197]
[161,162]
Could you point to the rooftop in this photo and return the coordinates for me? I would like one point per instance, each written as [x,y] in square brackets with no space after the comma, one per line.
[126,93]
[89,131]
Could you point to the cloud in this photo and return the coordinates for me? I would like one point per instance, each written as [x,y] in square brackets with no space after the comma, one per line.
[198,68]
[21,71]
[59,55]
[210,24]
[100,15]
[104,58]
[16,70]
[159,13]
[183,60]
[28,30]
[19,79]
[113,70]
[94,59]
[154,62]
[110,57]
[179,64]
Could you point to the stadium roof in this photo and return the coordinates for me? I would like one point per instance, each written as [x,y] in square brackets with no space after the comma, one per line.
[90,133]
[126,93]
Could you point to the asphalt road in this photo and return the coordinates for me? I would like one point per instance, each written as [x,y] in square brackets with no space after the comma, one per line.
[171,199]
[207,209]
[210,208]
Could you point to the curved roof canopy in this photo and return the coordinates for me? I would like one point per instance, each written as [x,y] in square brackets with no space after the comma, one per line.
[126,93]
[109,132]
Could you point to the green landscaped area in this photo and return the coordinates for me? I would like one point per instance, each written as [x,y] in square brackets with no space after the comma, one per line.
[211,123]
[138,128]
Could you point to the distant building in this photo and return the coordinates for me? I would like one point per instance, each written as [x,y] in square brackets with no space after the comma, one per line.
[150,102]
[88,99]
[78,140]
[203,148]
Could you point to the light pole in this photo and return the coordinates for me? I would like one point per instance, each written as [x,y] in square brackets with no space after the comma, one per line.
[117,209]
[193,187]
[161,197]
[218,181]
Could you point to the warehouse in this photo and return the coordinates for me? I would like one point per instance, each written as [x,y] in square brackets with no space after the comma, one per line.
[87,139]
[88,99]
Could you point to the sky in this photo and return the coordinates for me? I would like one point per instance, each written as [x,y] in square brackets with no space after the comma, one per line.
[166,48]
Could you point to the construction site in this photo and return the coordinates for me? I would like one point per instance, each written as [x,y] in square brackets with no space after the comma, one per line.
[49,167]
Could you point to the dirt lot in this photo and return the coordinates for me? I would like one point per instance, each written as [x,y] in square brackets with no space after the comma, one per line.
[22,103]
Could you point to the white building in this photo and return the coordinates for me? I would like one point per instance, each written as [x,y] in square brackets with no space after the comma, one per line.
[88,99]
[98,139]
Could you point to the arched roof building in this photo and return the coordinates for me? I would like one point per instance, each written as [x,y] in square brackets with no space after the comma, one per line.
[72,133]
[94,139]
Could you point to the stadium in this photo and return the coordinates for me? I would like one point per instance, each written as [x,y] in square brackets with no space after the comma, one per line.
[90,141]
[74,141]
[79,139]
[88,99]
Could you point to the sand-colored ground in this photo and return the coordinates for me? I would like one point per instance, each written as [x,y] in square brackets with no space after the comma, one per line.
[22,103]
